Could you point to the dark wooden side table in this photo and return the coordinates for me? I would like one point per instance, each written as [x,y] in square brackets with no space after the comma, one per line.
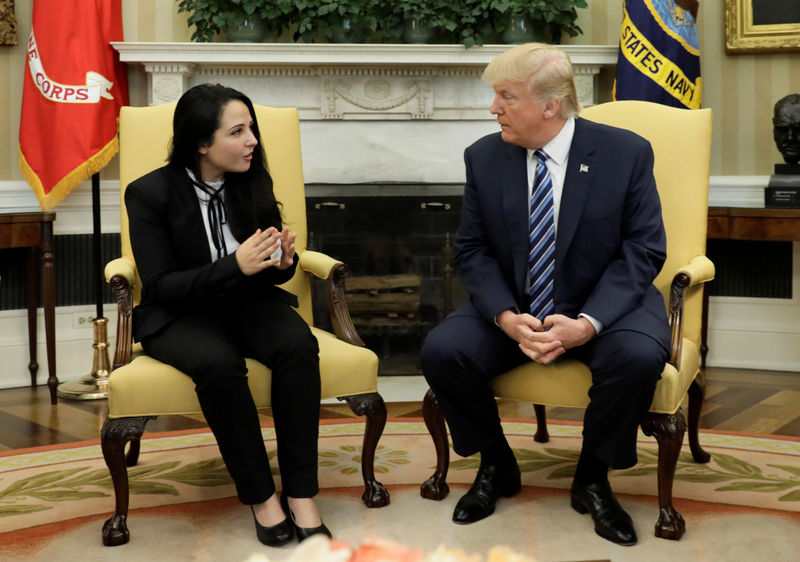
[732,223]
[35,231]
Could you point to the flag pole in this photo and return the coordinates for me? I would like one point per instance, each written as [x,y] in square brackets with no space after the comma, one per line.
[96,244]
[95,384]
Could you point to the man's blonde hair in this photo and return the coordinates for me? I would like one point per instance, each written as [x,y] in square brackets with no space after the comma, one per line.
[547,71]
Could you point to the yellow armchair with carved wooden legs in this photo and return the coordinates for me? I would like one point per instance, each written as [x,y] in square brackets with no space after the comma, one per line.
[681,141]
[141,388]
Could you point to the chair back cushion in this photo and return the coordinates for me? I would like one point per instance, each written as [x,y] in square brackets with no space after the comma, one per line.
[681,141]
[145,134]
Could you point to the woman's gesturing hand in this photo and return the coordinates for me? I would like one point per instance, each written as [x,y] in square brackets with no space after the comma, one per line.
[287,248]
[254,254]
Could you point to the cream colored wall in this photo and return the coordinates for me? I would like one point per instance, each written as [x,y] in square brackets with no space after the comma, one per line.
[143,20]
[12,60]
[154,20]
[740,89]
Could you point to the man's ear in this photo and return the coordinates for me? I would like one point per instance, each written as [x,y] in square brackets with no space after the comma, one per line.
[552,108]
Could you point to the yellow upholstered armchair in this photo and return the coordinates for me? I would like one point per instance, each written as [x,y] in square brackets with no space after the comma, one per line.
[141,388]
[681,141]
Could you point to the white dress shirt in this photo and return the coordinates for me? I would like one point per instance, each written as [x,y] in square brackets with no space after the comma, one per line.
[558,151]
[231,243]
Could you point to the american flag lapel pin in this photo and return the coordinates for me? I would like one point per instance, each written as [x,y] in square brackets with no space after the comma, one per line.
[584,167]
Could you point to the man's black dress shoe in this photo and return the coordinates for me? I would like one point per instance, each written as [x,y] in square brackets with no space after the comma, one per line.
[303,532]
[610,520]
[277,535]
[490,483]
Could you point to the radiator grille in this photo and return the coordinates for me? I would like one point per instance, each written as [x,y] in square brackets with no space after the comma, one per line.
[744,269]
[73,271]
[748,268]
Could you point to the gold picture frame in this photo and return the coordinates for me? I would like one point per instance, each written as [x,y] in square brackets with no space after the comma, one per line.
[743,36]
[8,24]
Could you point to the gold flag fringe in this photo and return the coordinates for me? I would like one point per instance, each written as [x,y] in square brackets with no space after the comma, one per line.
[92,165]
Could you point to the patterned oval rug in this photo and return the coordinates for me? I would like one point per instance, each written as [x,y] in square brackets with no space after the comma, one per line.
[181,473]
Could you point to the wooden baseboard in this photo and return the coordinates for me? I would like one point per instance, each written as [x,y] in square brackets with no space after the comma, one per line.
[74,339]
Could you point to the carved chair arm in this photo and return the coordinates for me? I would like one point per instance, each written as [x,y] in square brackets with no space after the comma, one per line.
[120,274]
[325,267]
[699,270]
[318,264]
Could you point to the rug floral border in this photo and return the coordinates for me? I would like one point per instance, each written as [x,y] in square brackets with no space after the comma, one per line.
[43,480]
[736,474]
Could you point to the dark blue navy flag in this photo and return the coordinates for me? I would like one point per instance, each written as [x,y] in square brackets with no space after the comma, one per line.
[659,54]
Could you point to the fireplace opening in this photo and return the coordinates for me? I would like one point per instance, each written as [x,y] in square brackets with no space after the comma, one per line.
[397,240]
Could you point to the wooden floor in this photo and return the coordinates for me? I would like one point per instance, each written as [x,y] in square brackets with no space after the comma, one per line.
[765,402]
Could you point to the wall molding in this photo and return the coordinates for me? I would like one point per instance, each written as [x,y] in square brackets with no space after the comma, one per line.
[74,213]
[745,333]
[752,333]
[337,54]
[737,191]
[74,339]
[304,76]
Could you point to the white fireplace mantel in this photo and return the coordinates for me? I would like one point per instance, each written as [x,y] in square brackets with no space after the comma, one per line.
[178,63]
[369,112]
[338,54]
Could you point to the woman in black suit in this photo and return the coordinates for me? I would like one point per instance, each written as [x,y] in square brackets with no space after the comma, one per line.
[210,246]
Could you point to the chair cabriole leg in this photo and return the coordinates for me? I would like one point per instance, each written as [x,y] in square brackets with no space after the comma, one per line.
[133,452]
[113,437]
[541,435]
[668,429]
[373,407]
[435,487]
[697,392]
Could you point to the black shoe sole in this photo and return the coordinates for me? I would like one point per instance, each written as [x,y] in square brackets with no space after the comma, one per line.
[457,522]
[582,509]
[510,491]
[513,490]
[579,507]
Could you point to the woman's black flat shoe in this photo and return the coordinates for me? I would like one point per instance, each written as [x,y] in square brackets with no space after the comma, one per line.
[303,532]
[277,535]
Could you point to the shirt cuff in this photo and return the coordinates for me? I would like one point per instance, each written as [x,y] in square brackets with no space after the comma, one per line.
[593,321]
[513,309]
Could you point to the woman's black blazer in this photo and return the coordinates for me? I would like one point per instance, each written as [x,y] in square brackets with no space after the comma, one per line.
[172,254]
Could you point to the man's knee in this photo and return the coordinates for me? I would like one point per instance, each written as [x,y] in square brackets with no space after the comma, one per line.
[628,354]
[438,350]
[646,356]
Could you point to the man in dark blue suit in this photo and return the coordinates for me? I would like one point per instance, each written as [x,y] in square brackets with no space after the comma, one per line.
[560,240]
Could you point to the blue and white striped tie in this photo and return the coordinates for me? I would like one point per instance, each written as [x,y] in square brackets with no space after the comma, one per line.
[542,240]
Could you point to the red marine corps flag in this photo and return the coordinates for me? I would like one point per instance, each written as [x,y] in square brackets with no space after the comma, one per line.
[74,87]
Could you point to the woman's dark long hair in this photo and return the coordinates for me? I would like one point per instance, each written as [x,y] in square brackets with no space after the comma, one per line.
[249,196]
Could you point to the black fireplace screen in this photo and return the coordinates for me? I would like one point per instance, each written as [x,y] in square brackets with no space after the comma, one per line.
[399,250]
